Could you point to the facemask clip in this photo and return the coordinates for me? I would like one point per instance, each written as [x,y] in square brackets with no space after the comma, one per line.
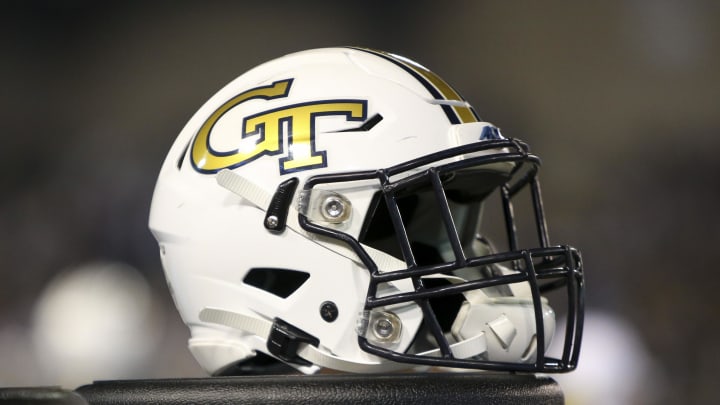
[324,206]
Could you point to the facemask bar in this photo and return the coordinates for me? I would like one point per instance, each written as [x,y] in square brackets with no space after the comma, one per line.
[508,192]
[544,269]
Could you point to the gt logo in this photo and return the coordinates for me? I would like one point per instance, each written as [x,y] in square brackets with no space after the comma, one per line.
[262,134]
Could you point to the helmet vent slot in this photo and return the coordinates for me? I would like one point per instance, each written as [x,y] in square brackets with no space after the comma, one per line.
[280,282]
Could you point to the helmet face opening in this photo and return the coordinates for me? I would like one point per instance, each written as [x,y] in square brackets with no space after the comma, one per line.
[428,213]
[421,215]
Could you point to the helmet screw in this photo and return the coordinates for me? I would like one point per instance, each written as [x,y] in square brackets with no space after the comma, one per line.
[271,222]
[386,327]
[383,328]
[333,208]
[328,311]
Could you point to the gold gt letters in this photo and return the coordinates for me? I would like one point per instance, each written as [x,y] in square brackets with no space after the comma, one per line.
[295,122]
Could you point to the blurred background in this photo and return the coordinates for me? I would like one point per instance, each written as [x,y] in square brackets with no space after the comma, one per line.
[621,99]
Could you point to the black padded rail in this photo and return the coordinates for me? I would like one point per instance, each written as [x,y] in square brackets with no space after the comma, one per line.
[40,396]
[425,388]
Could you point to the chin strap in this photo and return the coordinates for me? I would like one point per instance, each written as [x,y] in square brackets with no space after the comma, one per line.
[263,328]
[260,198]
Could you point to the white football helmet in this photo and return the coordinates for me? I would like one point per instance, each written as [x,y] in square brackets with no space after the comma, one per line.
[324,209]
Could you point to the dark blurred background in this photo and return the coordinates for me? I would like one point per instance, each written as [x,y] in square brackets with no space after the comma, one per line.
[621,99]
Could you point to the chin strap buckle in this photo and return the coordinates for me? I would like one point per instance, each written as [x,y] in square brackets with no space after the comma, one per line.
[284,342]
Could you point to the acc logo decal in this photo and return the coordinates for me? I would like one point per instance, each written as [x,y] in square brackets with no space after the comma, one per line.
[294,122]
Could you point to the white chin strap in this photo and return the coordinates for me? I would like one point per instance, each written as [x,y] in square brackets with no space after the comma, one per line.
[261,199]
[261,327]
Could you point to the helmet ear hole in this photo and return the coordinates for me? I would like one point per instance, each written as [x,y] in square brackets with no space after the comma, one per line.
[280,282]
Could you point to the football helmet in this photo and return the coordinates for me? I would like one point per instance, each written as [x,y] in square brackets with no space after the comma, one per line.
[329,209]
